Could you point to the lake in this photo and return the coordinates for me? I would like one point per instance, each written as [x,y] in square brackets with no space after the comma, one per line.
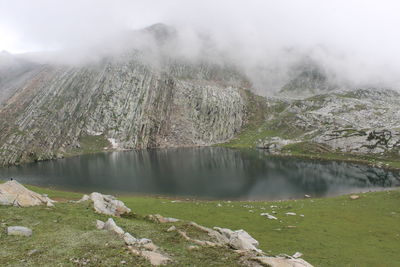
[208,172]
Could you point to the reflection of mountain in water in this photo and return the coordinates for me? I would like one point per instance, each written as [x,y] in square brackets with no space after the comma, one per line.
[203,172]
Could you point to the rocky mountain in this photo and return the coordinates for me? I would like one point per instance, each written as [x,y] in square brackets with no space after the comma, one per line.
[118,102]
[144,97]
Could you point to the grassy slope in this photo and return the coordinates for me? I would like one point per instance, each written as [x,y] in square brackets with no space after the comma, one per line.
[334,232]
[67,233]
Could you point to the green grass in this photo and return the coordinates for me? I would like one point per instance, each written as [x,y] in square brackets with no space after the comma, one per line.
[322,152]
[89,144]
[333,232]
[256,126]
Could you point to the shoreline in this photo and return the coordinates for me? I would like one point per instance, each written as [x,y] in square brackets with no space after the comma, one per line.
[335,156]
[188,199]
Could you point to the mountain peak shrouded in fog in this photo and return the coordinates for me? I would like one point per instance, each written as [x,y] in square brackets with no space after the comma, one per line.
[161,32]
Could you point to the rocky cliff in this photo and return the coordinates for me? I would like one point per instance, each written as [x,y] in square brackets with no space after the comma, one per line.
[121,102]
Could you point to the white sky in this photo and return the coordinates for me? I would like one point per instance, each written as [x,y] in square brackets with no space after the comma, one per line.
[363,32]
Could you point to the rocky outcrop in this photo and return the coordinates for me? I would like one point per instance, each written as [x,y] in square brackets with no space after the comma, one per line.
[361,141]
[365,121]
[244,244]
[15,194]
[106,204]
[143,247]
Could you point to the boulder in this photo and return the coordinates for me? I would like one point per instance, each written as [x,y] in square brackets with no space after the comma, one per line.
[239,239]
[19,231]
[15,194]
[106,204]
[112,226]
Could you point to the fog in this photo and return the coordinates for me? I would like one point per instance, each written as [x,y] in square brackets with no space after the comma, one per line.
[354,41]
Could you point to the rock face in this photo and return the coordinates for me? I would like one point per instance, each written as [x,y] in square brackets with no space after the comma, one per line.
[106,204]
[121,102]
[19,231]
[13,193]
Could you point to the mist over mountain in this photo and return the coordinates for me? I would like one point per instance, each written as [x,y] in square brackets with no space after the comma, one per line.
[101,82]
[160,43]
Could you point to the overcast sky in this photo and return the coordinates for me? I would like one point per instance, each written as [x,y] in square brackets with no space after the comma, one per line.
[364,34]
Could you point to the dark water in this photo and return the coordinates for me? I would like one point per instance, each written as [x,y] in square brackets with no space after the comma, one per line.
[204,173]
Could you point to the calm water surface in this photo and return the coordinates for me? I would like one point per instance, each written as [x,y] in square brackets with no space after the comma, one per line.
[213,173]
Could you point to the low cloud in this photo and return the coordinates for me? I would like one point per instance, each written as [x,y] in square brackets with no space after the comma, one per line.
[355,41]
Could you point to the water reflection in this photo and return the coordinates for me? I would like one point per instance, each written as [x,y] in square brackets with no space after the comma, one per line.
[203,172]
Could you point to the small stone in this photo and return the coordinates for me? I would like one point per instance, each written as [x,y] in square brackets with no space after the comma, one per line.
[297,255]
[33,251]
[144,241]
[290,213]
[354,197]
[307,196]
[172,228]
[99,224]
[19,231]
[193,247]
[49,204]
[123,262]
[129,239]
[161,219]
[269,216]
[150,246]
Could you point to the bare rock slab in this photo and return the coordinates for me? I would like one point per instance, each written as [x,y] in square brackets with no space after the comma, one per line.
[15,194]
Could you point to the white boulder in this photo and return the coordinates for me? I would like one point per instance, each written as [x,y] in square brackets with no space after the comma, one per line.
[239,239]
[106,204]
[15,194]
